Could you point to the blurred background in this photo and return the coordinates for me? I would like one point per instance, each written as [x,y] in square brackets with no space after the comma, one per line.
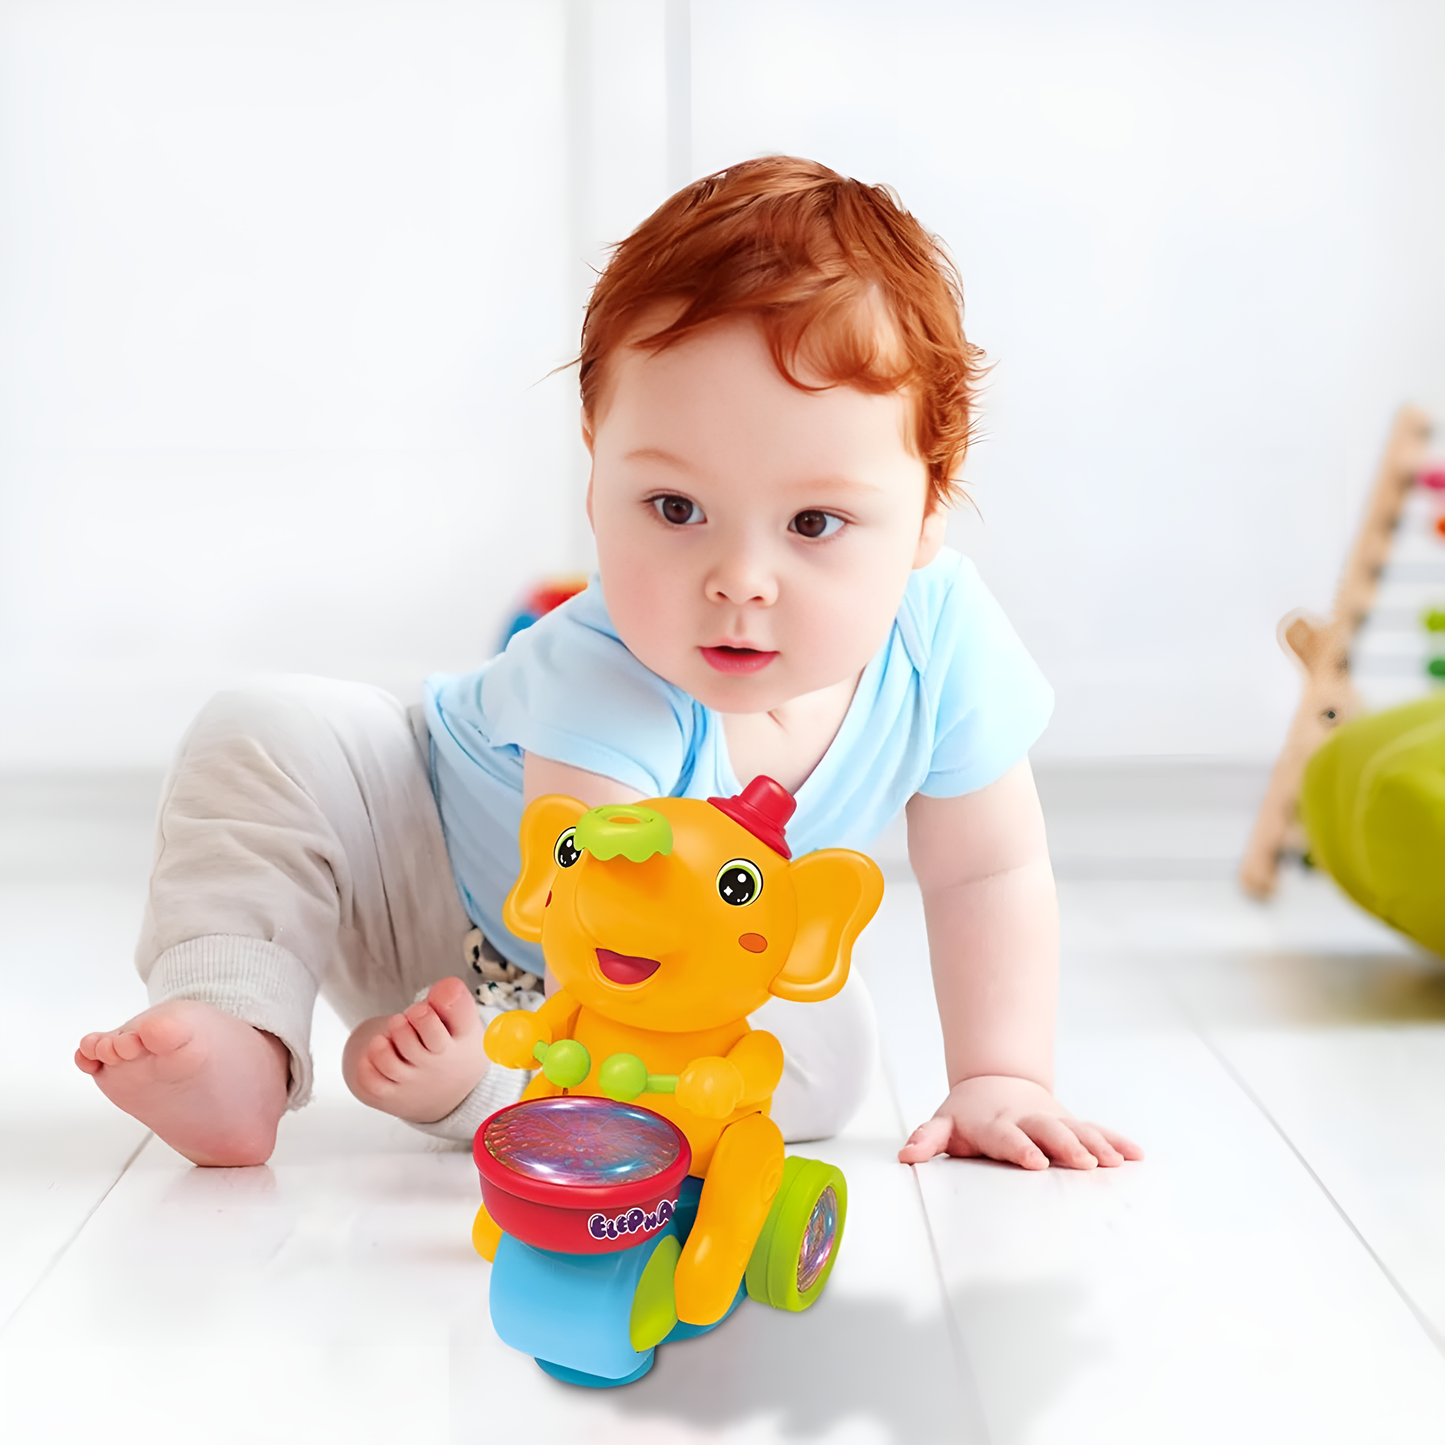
[283,287]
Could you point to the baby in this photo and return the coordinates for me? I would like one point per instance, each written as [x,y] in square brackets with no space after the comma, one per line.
[777,396]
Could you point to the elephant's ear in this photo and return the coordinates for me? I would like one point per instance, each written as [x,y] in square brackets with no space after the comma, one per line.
[838,892]
[544,821]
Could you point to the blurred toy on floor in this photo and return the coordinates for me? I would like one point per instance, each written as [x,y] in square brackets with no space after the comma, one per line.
[1373,808]
[538,601]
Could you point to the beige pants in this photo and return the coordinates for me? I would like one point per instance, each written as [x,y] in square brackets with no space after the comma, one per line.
[299,851]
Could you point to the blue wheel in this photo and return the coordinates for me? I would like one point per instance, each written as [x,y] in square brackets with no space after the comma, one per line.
[572,1312]
[595,1382]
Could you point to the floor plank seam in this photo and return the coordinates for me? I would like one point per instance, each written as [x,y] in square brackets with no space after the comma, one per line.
[967,1383]
[1421,1318]
[75,1234]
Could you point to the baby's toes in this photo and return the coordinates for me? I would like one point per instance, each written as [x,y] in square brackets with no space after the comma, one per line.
[406,1041]
[130,1045]
[429,1028]
[453,1004]
[382,1057]
[118,1048]
[163,1032]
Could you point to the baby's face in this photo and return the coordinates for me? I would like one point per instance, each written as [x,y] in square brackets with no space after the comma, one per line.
[754,540]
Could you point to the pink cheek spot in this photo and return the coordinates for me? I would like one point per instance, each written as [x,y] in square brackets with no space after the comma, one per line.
[753,942]
[548,903]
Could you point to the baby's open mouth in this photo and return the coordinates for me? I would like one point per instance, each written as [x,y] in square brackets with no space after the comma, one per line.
[737,659]
[623,968]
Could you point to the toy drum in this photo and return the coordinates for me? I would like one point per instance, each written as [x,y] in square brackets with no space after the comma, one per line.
[580,1175]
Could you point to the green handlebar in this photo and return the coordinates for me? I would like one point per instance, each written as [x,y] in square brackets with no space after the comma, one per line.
[622,1077]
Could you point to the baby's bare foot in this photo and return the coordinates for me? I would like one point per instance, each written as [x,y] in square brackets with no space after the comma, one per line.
[419,1065]
[209,1084]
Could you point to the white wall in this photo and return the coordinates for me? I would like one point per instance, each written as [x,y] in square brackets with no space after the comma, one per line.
[1203,244]
[280,287]
[279,283]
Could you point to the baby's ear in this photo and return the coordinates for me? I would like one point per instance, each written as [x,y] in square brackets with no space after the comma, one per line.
[931,536]
[838,892]
[544,821]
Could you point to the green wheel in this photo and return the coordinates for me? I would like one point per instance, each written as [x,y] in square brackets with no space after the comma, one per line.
[795,1252]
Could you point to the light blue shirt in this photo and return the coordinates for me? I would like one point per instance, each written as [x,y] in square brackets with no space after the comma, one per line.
[948,704]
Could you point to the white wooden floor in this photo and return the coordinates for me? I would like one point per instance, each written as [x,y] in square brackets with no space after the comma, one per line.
[1275,1270]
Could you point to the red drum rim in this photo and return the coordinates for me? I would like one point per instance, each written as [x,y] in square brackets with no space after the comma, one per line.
[611,1196]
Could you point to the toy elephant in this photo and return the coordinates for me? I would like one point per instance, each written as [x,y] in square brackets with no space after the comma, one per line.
[666,924]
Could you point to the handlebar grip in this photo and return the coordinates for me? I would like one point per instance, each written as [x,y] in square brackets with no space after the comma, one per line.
[624,1077]
[565,1063]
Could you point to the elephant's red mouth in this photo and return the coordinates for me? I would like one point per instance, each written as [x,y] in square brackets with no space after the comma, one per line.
[623,968]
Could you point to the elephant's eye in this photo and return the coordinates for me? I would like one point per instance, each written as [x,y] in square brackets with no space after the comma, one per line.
[567,852]
[739,882]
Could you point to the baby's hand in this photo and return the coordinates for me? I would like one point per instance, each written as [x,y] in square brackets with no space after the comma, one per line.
[511,1037]
[1017,1121]
[710,1087]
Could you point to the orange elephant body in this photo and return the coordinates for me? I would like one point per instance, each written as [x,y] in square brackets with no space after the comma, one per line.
[666,924]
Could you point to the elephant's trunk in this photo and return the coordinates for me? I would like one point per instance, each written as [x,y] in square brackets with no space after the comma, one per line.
[629,907]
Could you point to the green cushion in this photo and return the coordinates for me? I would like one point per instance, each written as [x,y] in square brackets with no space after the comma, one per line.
[1373,806]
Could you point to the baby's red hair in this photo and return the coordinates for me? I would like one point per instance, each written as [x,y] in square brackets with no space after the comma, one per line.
[812,256]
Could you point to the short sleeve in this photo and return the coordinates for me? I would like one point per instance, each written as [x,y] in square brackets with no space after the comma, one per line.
[568,689]
[989,701]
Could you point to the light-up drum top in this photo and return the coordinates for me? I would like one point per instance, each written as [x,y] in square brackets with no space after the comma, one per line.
[582,1142]
[580,1174]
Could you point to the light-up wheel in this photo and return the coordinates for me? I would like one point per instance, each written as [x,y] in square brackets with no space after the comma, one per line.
[799,1242]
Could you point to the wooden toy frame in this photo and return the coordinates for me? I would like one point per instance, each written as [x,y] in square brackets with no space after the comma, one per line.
[1322,647]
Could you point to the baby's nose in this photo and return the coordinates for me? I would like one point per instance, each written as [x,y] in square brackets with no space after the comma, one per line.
[741,580]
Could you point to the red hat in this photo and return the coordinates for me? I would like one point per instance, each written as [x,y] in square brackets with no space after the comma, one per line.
[763,808]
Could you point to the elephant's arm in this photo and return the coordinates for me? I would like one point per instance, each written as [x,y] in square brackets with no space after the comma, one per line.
[716,1085]
[511,1038]
[758,1057]
[559,1015]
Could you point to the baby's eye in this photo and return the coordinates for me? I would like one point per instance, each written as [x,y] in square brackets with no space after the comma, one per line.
[815,524]
[680,511]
